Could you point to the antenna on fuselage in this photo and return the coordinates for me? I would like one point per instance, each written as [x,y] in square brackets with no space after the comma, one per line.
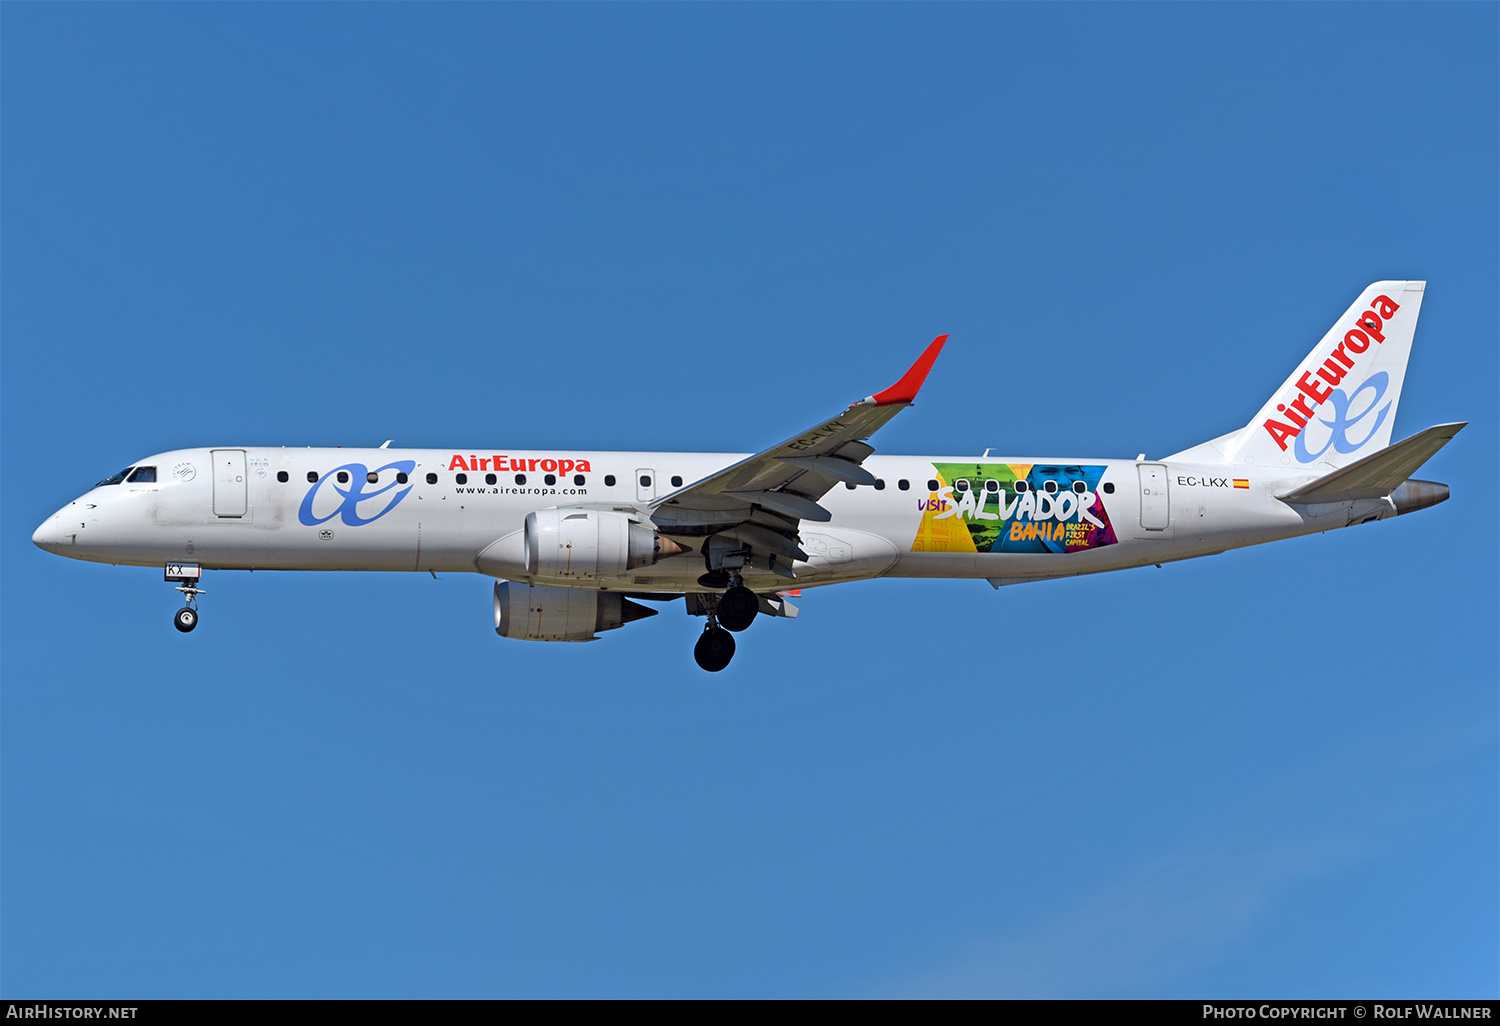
[387,443]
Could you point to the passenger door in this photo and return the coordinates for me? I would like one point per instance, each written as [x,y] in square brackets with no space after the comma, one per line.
[1156,510]
[229,483]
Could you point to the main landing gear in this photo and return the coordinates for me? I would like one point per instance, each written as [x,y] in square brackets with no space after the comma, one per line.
[735,610]
[186,618]
[715,648]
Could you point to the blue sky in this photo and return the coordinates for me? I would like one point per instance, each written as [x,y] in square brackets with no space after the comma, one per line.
[1270,772]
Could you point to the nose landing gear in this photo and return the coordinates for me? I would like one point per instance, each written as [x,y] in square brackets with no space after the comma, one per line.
[186,618]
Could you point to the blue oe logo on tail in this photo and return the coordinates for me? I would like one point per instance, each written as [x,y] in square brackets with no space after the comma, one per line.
[1338,433]
[354,494]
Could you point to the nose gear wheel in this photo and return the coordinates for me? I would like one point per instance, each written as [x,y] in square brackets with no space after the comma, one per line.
[186,618]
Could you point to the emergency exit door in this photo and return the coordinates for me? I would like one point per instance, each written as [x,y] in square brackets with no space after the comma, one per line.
[1156,510]
[645,484]
[229,483]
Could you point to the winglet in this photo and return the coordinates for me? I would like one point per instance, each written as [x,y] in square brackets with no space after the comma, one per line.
[905,390]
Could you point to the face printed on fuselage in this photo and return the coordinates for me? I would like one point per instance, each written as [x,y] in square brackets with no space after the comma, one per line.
[1064,476]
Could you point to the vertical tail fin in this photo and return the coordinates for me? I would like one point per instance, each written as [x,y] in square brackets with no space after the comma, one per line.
[1340,403]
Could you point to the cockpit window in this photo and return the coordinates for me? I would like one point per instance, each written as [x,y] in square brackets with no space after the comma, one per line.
[116,479]
[143,475]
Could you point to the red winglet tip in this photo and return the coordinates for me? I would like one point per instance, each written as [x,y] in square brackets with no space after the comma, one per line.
[905,390]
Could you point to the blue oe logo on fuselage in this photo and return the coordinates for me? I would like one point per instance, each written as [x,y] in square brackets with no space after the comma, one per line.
[1338,427]
[355,493]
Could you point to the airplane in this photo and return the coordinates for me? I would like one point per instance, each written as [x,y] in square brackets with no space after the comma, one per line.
[578,541]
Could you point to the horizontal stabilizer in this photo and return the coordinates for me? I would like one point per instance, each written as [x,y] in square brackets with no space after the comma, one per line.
[1379,474]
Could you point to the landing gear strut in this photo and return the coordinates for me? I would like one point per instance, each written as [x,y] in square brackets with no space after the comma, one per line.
[186,618]
[734,610]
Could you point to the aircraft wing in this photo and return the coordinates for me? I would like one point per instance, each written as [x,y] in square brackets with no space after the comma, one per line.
[759,502]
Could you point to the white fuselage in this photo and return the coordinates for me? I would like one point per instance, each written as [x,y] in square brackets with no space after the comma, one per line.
[256,508]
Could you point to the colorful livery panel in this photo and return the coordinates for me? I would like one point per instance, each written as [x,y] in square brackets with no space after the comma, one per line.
[1009,507]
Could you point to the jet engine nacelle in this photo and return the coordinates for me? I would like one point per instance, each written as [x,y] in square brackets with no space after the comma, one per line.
[535,613]
[588,544]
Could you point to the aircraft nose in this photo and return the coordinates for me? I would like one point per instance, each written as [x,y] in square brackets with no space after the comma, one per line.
[51,536]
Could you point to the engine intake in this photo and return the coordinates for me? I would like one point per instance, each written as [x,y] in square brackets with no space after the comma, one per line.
[537,613]
[587,544]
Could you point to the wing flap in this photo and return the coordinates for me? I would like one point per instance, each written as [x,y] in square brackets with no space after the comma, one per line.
[834,467]
[767,540]
[793,505]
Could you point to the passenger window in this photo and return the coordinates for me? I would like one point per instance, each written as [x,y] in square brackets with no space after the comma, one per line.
[992,486]
[609,480]
[143,475]
[550,479]
[401,477]
[1022,486]
[432,479]
[372,477]
[932,486]
[312,477]
[343,477]
[461,478]
[520,479]
[961,485]
[578,479]
[879,485]
[489,479]
[282,476]
[1109,488]
[1080,487]
[676,481]
[645,480]
[903,484]
[116,479]
[1050,487]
